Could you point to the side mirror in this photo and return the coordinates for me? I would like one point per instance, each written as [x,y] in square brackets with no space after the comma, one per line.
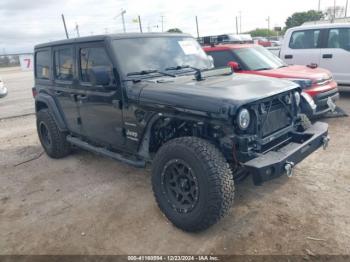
[100,76]
[3,92]
[234,65]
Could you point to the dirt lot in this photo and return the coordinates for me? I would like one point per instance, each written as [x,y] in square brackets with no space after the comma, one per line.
[86,204]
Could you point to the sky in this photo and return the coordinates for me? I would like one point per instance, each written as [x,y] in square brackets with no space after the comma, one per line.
[25,23]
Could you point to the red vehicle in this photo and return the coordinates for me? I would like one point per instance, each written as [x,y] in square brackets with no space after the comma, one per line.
[262,41]
[254,59]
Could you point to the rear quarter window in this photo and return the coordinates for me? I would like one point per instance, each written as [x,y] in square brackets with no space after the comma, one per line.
[42,64]
[305,39]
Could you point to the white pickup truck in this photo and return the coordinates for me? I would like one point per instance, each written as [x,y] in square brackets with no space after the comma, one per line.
[322,45]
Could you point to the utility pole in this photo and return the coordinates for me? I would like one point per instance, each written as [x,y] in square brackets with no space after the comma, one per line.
[240,22]
[140,25]
[162,16]
[237,25]
[334,9]
[65,27]
[319,5]
[123,20]
[268,23]
[77,29]
[197,27]
[346,8]
[122,13]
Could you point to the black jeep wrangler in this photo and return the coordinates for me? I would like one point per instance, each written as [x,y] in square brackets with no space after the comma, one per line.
[154,98]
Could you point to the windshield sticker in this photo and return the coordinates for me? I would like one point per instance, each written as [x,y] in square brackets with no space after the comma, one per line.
[188,47]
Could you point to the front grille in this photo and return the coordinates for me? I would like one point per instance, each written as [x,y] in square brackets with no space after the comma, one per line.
[274,118]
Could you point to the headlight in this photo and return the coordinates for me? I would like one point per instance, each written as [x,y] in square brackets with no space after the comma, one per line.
[297,98]
[309,100]
[243,119]
[303,83]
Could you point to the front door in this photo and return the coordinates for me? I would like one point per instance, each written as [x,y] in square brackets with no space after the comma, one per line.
[99,104]
[303,48]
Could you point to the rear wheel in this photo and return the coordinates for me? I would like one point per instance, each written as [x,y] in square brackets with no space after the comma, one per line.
[192,183]
[52,139]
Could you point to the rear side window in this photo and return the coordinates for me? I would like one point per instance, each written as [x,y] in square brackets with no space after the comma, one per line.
[306,39]
[42,64]
[64,64]
[221,58]
[339,38]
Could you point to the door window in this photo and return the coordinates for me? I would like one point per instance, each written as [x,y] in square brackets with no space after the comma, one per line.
[64,64]
[306,39]
[42,64]
[93,58]
[221,58]
[339,38]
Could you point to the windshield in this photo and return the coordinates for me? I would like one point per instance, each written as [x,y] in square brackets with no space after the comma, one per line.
[258,58]
[159,53]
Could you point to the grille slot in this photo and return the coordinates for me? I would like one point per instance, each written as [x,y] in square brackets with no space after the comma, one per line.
[276,119]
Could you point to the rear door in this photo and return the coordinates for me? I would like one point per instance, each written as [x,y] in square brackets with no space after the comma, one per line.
[99,105]
[64,88]
[336,54]
[303,47]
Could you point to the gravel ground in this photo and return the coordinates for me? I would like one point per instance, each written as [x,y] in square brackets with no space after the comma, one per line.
[86,204]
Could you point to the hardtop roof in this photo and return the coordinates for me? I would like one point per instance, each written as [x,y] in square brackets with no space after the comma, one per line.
[109,36]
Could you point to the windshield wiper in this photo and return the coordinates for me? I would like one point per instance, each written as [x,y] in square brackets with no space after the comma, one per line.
[197,75]
[263,68]
[147,72]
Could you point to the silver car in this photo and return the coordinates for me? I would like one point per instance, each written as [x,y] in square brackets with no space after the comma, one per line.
[3,89]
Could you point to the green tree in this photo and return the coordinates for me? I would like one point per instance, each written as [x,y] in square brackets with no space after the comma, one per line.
[174,30]
[262,32]
[299,18]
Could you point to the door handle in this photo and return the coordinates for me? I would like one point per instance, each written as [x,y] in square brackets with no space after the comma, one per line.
[58,93]
[329,56]
[82,97]
[288,56]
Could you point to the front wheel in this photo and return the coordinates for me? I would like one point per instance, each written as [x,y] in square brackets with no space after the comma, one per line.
[192,183]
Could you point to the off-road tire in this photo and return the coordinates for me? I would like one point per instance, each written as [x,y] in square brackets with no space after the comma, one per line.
[305,122]
[58,146]
[214,177]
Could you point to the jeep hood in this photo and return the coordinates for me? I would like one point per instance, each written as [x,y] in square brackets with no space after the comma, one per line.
[214,94]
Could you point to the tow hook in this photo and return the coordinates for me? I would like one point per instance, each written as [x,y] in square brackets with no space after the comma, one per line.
[325,141]
[288,167]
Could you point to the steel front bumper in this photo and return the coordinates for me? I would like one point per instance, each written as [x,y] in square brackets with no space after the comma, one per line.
[281,161]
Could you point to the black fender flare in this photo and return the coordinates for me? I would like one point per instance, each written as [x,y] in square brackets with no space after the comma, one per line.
[145,142]
[53,108]
[143,150]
